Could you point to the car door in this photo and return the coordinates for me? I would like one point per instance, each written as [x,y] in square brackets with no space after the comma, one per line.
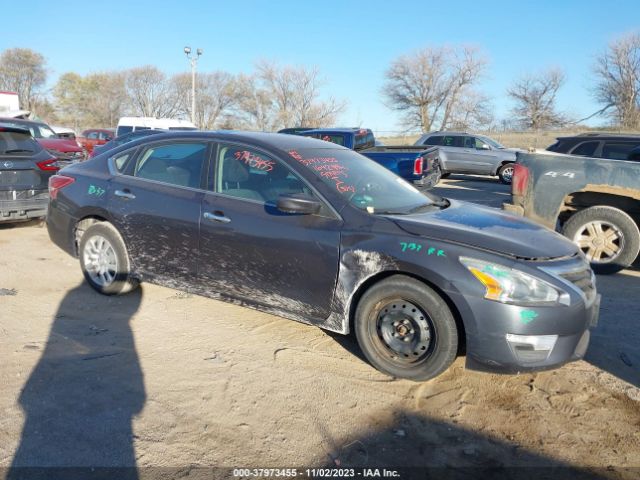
[251,250]
[155,198]
[452,147]
[477,157]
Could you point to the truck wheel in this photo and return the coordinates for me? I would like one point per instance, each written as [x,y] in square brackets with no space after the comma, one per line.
[608,237]
[505,173]
[104,260]
[405,329]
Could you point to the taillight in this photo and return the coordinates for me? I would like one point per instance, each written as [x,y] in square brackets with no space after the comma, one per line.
[56,182]
[519,180]
[49,165]
[417,166]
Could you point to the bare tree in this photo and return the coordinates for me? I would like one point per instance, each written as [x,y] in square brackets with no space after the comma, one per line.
[23,71]
[95,100]
[216,96]
[618,87]
[255,108]
[295,92]
[425,87]
[151,93]
[472,111]
[535,100]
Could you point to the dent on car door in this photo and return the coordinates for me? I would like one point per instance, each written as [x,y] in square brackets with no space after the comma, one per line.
[252,251]
[155,202]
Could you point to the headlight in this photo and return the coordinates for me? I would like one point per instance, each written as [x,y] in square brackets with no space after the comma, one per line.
[507,285]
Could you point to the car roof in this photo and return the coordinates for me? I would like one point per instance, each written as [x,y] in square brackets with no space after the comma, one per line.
[21,121]
[279,141]
[598,137]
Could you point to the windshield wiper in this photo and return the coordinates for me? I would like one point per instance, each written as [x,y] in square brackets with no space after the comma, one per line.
[18,150]
[443,203]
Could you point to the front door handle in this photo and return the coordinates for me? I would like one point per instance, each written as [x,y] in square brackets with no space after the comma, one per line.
[216,217]
[126,194]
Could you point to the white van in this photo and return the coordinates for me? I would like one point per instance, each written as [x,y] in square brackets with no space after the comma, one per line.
[132,124]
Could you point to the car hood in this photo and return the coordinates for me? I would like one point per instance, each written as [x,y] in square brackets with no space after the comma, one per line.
[488,229]
[59,144]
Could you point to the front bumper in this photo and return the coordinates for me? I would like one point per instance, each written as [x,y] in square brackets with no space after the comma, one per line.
[21,205]
[510,338]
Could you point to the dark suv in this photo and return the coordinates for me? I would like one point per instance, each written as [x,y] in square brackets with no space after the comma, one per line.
[598,145]
[25,168]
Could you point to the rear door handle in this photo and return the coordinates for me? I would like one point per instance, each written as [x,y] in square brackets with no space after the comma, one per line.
[215,217]
[124,194]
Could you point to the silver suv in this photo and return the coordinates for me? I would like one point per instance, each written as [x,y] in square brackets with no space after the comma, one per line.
[460,152]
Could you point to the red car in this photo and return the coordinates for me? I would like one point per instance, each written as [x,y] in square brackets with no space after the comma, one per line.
[95,136]
[64,149]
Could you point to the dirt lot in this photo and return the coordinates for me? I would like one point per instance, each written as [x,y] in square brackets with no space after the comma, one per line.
[165,379]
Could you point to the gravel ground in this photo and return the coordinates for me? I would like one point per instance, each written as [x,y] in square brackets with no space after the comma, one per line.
[161,378]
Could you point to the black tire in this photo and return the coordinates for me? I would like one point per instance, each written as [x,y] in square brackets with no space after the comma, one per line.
[104,260]
[400,308]
[505,173]
[616,231]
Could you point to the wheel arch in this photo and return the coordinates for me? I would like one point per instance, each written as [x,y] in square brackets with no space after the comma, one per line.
[627,201]
[372,280]
[85,220]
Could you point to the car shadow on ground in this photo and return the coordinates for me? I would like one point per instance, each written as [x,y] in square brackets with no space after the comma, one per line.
[81,396]
[614,342]
[36,222]
[418,446]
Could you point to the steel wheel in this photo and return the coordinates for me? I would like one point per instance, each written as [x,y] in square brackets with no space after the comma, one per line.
[100,260]
[404,331]
[600,241]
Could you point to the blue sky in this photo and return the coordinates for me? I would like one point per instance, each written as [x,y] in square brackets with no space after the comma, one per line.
[351,42]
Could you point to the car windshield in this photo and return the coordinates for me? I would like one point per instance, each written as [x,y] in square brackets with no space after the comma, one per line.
[491,142]
[40,130]
[364,183]
[16,143]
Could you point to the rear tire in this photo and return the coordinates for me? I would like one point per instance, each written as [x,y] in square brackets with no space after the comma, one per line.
[104,260]
[405,329]
[608,237]
[505,173]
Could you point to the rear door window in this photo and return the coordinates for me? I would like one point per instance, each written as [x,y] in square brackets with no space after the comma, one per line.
[174,163]
[586,149]
[618,150]
[433,140]
[451,141]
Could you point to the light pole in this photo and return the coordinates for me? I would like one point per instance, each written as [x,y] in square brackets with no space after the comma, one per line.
[194,63]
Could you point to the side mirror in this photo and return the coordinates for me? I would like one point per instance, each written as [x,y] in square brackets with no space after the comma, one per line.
[484,146]
[300,203]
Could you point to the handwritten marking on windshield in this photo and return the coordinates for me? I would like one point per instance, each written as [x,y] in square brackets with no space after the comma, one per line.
[327,167]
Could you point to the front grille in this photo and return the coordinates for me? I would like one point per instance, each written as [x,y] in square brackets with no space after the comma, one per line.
[583,279]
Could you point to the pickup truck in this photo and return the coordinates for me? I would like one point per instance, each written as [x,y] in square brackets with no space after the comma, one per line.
[405,161]
[593,201]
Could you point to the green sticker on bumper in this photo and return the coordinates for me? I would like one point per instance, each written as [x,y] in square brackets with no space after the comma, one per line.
[528,316]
